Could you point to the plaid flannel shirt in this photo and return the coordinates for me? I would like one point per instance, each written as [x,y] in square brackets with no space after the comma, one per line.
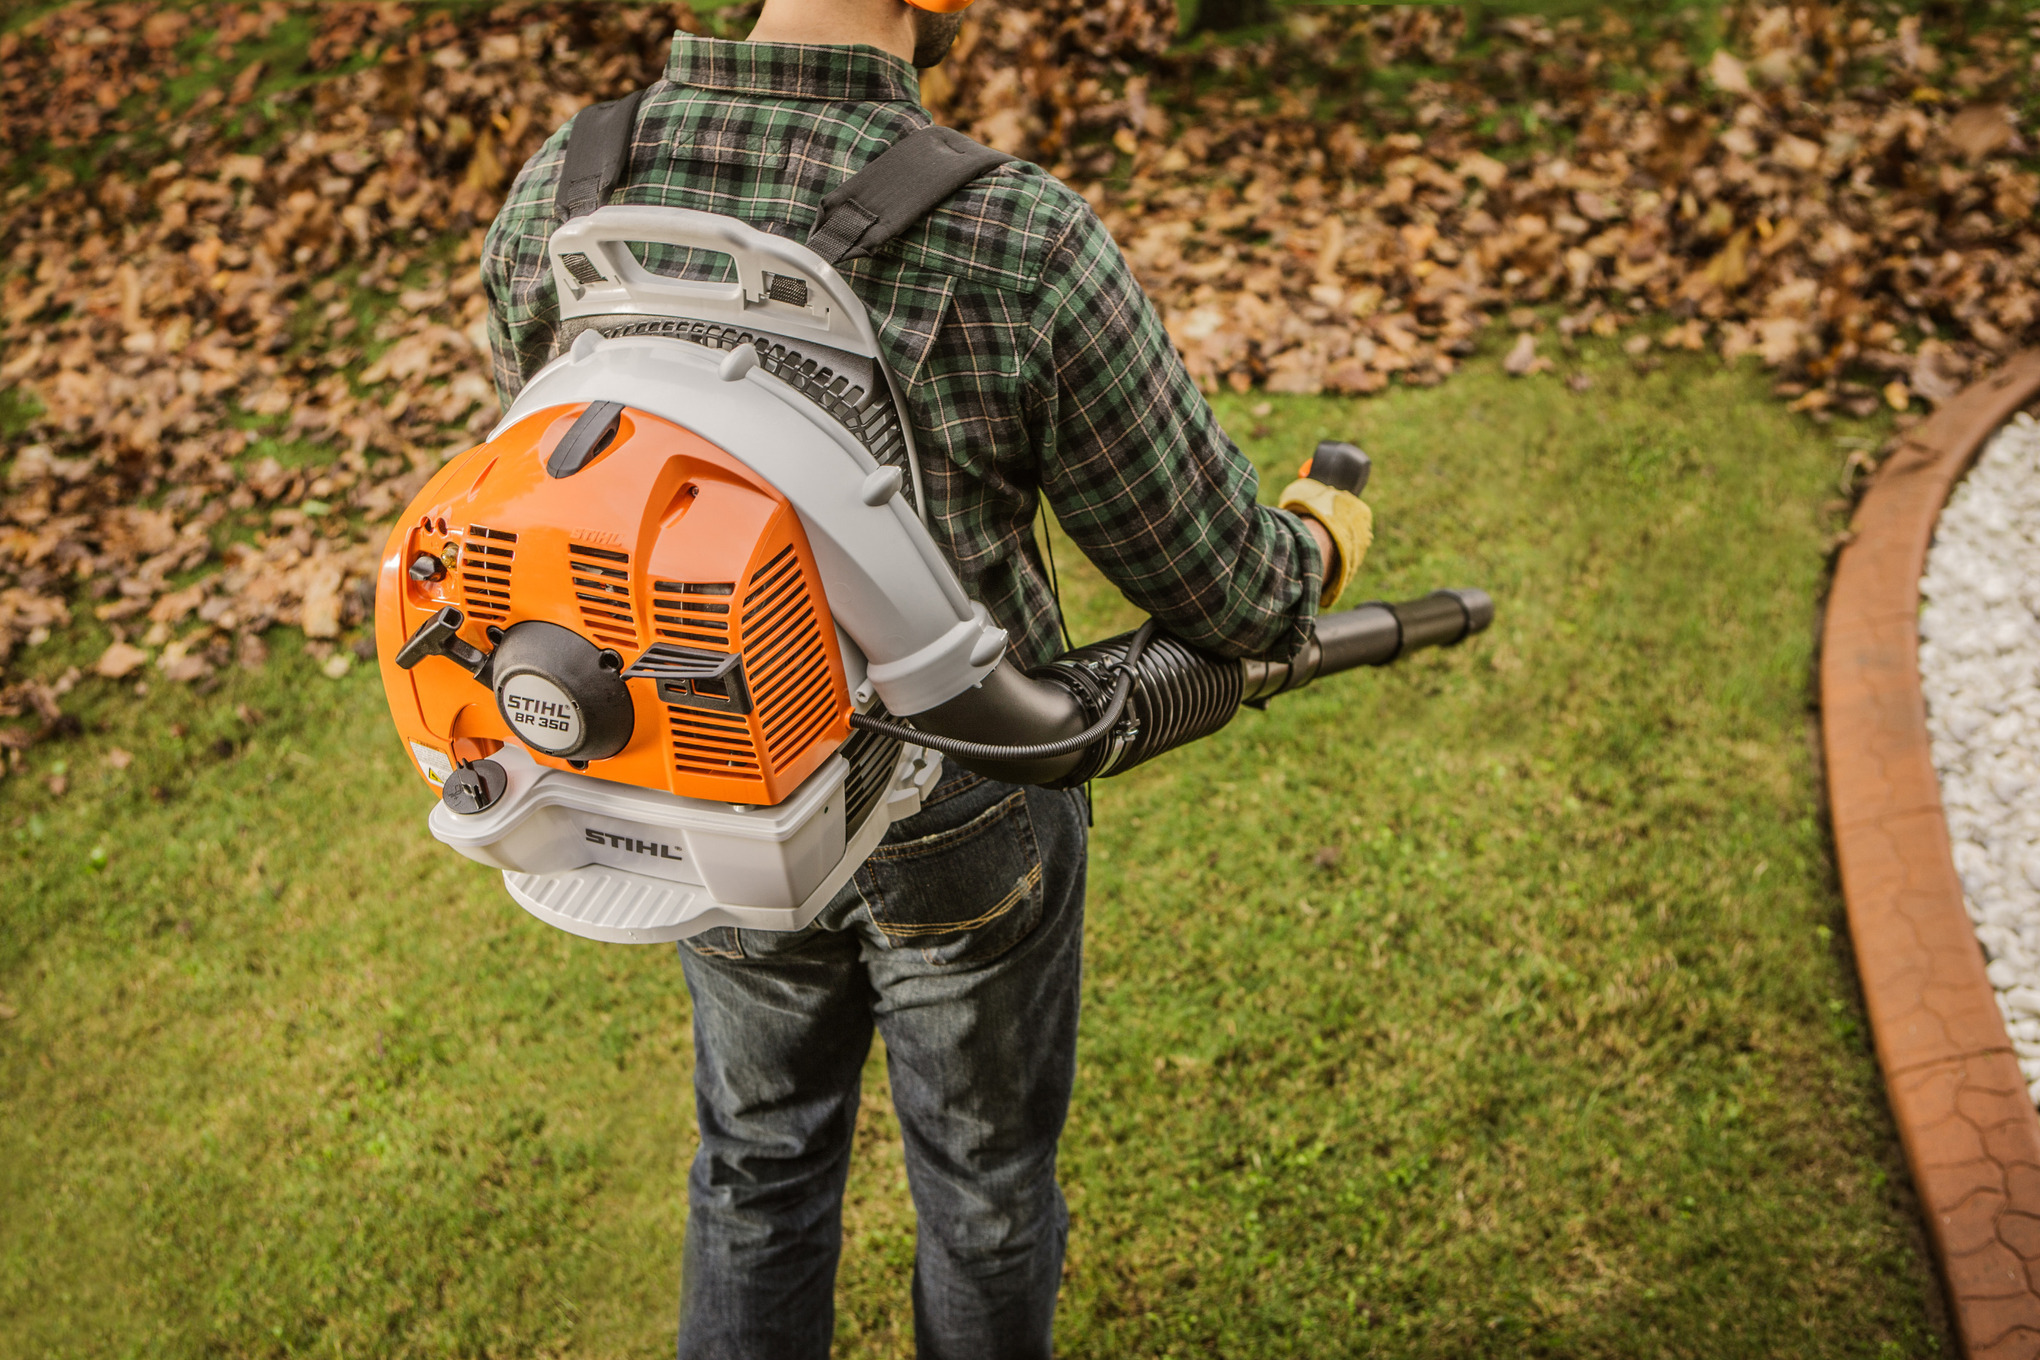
[1030,359]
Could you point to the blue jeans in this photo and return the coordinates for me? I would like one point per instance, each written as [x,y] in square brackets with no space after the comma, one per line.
[961,941]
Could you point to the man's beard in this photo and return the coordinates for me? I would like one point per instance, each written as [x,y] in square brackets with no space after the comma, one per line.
[933,36]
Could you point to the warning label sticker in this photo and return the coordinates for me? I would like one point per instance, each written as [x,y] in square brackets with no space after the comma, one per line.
[435,765]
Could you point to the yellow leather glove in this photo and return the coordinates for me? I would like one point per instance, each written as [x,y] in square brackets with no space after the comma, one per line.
[1345,517]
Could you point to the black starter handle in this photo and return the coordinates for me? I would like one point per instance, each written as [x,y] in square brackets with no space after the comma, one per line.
[440,636]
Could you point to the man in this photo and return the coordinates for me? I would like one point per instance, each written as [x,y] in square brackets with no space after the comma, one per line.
[1032,365]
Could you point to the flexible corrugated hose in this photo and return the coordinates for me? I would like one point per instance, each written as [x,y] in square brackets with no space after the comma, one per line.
[1046,750]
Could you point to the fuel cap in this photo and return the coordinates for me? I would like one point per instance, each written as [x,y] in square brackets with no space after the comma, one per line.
[475,787]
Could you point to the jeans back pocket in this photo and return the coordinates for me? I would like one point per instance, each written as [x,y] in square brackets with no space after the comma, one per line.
[962,895]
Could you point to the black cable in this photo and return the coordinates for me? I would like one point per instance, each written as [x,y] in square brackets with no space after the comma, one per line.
[982,750]
[1062,618]
[1054,581]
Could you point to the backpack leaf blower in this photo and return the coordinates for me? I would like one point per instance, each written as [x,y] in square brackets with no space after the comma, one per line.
[674,644]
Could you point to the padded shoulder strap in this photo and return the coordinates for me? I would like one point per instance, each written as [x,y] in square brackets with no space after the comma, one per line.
[598,156]
[907,180]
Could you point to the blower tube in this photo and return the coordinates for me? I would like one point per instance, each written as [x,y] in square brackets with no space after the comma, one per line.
[1107,707]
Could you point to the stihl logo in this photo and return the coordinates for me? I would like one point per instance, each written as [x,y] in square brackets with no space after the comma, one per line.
[637,847]
[596,537]
[520,704]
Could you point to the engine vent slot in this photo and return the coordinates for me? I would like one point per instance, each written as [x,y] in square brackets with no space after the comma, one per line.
[872,758]
[708,743]
[693,613]
[870,416]
[602,587]
[581,268]
[485,573]
[786,288]
[785,659]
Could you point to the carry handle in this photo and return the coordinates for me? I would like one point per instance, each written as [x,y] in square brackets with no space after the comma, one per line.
[781,287]
[1339,465]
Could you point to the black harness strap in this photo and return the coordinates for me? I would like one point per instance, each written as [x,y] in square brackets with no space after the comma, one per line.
[598,156]
[899,187]
[903,184]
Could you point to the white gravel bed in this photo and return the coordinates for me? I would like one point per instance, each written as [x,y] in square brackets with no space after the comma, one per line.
[1980,671]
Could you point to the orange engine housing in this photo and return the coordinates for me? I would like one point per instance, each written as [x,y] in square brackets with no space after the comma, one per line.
[662,539]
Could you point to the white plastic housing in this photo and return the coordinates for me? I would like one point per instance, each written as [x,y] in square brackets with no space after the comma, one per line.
[614,862]
[889,587]
[833,315]
[637,866]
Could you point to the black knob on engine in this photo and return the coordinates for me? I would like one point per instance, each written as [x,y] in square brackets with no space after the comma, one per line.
[560,693]
[475,787]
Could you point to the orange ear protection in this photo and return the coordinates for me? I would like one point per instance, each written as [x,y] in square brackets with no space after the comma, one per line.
[940,6]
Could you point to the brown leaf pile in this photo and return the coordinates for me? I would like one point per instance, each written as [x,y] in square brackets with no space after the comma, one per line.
[176,312]
[252,324]
[1832,195]
[1039,79]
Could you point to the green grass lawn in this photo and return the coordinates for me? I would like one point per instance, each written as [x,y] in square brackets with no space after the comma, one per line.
[1495,1004]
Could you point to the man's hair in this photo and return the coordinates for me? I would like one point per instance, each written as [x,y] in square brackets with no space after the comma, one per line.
[934,34]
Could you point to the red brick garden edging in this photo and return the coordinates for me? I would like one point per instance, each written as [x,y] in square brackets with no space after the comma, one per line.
[1970,1132]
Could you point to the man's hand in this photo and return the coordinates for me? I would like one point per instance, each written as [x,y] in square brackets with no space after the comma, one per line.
[1342,525]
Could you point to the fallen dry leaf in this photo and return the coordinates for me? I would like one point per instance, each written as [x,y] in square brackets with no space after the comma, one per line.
[1523,358]
[1728,74]
[1979,130]
[119,661]
[320,613]
[180,664]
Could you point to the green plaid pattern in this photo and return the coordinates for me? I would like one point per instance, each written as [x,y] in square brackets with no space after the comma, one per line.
[1031,361]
